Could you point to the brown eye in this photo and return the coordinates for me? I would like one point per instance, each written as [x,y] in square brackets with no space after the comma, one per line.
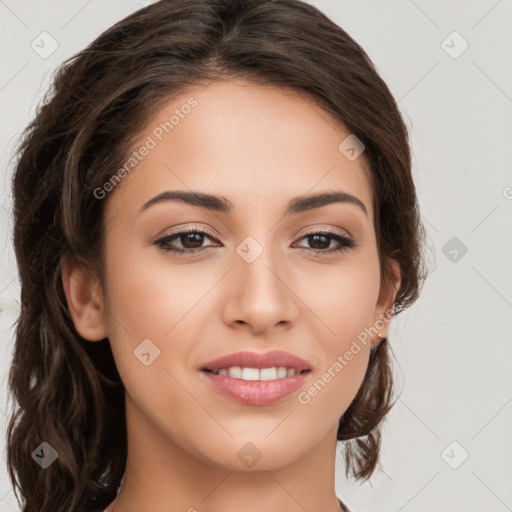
[191,241]
[321,241]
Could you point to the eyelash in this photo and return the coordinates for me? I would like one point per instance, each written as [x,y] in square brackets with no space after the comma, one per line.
[345,242]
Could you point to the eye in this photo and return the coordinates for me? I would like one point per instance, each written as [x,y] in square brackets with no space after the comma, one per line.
[322,240]
[191,239]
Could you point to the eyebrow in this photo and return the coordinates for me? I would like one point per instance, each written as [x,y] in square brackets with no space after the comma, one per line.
[223,205]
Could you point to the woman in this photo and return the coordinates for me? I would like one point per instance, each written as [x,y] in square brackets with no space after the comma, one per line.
[215,221]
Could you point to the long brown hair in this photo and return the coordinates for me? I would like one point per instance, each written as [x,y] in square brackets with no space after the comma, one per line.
[67,390]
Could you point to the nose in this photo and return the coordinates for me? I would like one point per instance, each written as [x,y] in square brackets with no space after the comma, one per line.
[260,295]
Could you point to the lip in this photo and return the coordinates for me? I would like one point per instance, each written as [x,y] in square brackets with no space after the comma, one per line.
[259,360]
[257,392]
[253,392]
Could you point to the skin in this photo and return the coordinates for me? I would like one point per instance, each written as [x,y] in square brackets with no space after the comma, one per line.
[258,147]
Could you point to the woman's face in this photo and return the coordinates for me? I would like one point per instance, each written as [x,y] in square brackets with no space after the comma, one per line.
[262,282]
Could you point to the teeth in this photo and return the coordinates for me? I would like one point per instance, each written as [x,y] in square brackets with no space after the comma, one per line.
[237,372]
[250,374]
[282,372]
[269,373]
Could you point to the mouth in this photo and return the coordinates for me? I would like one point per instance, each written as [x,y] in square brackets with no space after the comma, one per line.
[257,378]
[259,374]
[249,362]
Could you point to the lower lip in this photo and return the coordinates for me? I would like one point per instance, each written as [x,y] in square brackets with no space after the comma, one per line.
[256,392]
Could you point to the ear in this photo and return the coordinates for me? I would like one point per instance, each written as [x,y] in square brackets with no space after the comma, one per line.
[383,311]
[83,295]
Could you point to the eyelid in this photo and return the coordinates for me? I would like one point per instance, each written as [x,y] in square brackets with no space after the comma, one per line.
[190,227]
[335,231]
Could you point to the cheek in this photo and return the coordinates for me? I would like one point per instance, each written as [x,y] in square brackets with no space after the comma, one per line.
[133,305]
[344,299]
[148,301]
[151,297]
[148,293]
[347,312]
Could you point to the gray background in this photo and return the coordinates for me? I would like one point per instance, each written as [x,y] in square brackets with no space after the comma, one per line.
[453,346]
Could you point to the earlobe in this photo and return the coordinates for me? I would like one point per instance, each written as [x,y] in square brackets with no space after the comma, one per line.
[84,299]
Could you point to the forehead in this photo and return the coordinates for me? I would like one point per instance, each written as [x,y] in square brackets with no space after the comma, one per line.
[256,145]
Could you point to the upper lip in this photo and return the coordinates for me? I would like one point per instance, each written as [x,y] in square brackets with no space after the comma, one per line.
[258,360]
